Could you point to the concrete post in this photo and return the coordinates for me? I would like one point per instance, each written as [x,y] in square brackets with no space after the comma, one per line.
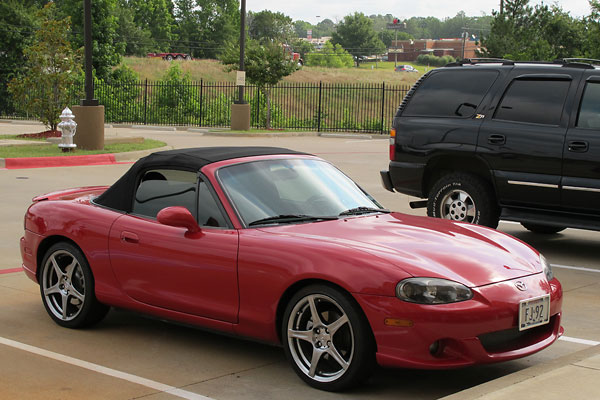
[90,127]
[240,117]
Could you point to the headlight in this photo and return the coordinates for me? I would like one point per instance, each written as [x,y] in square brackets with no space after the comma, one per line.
[432,291]
[547,268]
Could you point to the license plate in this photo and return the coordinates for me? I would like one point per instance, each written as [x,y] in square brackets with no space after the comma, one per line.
[534,312]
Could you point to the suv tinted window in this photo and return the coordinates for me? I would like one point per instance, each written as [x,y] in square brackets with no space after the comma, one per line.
[450,94]
[589,113]
[538,101]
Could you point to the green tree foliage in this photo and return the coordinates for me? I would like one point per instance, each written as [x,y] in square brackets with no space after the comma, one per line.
[302,47]
[205,26]
[52,67]
[265,63]
[355,34]
[331,56]
[138,40]
[323,28]
[542,33]
[17,24]
[155,16]
[107,50]
[592,24]
[267,26]
[434,61]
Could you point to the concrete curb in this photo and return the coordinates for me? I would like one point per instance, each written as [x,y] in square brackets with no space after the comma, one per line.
[488,388]
[76,161]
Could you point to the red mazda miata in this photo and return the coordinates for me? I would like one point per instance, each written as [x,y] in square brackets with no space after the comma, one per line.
[281,246]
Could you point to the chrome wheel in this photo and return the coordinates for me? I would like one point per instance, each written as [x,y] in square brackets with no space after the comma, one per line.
[63,285]
[458,205]
[320,338]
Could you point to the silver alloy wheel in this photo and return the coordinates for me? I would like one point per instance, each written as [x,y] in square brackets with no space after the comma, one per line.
[320,338]
[63,285]
[458,205]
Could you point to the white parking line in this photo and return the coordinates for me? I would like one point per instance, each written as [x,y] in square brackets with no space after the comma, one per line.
[161,387]
[575,268]
[579,341]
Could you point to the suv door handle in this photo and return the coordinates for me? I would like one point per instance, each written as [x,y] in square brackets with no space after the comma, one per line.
[496,139]
[578,146]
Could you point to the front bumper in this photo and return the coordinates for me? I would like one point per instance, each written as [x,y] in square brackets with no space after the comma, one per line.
[481,330]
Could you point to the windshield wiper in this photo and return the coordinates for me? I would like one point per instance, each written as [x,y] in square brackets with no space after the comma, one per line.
[289,218]
[363,210]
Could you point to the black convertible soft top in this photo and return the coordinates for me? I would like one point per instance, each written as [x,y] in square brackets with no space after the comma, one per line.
[119,196]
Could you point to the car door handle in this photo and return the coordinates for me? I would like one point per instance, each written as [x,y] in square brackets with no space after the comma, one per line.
[129,237]
[496,139]
[578,146]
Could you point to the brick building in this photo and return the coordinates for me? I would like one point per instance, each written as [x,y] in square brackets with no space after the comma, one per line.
[409,50]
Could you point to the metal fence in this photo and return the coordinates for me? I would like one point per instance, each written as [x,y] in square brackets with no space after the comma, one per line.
[295,106]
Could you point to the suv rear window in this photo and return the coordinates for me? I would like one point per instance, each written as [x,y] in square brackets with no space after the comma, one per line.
[450,94]
[538,101]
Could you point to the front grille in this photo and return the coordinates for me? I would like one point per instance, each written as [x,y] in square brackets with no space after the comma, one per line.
[513,339]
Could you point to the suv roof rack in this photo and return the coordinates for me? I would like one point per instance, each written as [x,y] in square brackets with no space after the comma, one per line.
[587,63]
[471,61]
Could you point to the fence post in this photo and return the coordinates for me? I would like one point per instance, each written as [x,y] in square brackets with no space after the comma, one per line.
[146,102]
[382,106]
[201,90]
[319,111]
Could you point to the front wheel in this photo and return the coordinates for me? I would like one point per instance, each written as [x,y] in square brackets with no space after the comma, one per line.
[327,338]
[463,197]
[67,288]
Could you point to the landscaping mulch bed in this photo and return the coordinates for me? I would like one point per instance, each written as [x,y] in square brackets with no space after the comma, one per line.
[40,135]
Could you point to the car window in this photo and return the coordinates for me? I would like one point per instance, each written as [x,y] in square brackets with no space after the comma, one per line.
[538,101]
[589,112]
[450,94]
[209,213]
[165,188]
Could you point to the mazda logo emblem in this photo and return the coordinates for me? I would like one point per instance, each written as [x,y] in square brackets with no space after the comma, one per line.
[521,286]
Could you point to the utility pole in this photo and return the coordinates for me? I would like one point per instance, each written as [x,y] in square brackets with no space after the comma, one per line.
[240,109]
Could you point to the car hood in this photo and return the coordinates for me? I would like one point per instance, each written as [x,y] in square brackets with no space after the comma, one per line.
[470,254]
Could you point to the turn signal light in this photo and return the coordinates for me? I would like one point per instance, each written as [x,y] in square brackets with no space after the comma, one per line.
[407,323]
[392,144]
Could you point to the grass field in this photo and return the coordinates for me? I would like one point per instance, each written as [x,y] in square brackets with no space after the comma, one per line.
[50,150]
[213,71]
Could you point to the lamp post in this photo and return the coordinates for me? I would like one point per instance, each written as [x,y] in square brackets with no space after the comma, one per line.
[240,110]
[242,48]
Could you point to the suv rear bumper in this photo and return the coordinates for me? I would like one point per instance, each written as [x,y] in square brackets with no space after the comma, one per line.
[406,178]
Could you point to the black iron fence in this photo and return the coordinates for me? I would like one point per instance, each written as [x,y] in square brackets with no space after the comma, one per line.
[297,106]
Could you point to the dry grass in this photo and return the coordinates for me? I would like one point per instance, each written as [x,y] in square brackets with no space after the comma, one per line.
[213,71]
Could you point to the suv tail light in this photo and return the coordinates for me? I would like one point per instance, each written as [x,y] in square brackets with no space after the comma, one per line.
[392,144]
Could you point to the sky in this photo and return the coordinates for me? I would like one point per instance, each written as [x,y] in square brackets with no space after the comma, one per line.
[314,11]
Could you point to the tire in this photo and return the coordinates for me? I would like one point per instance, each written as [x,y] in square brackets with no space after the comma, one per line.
[338,352]
[67,288]
[169,57]
[179,57]
[543,229]
[188,57]
[463,197]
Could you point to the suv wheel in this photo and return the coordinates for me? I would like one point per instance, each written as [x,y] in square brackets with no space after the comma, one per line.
[463,197]
[545,229]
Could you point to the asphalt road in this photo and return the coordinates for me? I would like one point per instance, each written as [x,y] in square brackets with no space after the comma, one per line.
[130,356]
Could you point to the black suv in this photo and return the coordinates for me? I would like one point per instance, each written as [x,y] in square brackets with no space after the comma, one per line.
[488,139]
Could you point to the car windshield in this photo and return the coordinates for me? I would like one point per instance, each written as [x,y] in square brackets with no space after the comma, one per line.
[292,191]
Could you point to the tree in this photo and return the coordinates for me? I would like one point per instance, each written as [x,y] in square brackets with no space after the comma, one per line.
[106,49]
[52,67]
[355,34]
[156,16]
[265,64]
[330,56]
[138,40]
[205,26]
[270,26]
[17,24]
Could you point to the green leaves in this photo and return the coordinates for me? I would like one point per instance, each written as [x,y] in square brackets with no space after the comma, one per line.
[355,34]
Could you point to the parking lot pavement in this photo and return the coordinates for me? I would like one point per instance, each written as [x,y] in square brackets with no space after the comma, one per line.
[130,356]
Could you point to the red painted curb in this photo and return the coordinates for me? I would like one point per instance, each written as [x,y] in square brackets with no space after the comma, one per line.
[10,271]
[63,161]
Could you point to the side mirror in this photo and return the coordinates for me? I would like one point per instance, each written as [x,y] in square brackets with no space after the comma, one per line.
[179,217]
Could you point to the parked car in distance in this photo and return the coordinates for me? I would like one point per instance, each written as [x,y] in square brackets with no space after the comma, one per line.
[171,56]
[487,139]
[405,68]
[282,247]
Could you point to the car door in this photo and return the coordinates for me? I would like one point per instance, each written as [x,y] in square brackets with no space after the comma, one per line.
[581,154]
[166,267]
[522,138]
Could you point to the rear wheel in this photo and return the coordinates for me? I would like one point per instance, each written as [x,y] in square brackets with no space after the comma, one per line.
[544,229]
[463,197]
[327,338]
[67,288]
[169,57]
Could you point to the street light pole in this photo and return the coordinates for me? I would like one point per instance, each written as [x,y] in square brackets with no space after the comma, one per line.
[87,33]
[242,49]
